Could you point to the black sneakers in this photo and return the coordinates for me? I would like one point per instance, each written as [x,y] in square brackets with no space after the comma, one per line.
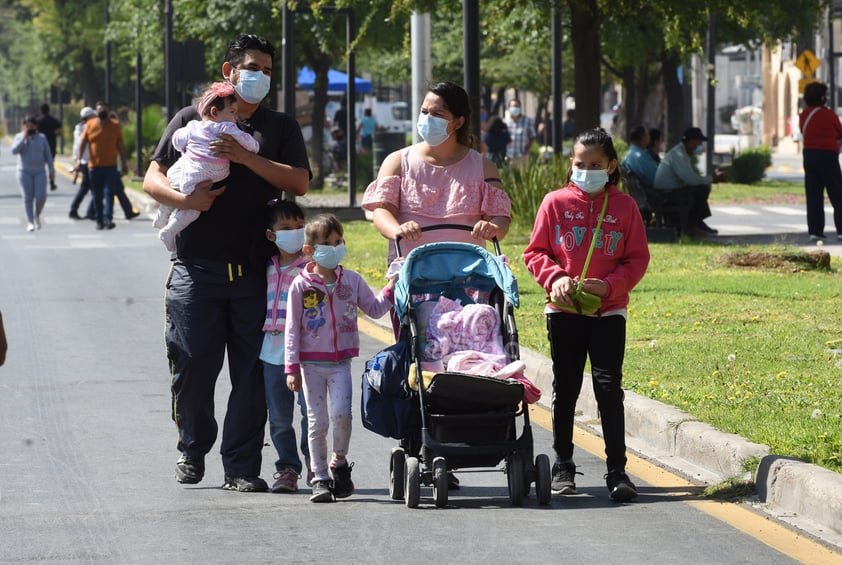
[620,488]
[564,478]
[321,492]
[245,484]
[343,486]
[189,470]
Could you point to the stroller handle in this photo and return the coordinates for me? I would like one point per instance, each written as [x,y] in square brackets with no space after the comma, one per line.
[432,227]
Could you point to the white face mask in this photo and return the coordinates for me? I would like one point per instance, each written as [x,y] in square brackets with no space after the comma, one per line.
[290,241]
[329,256]
[432,129]
[253,86]
[589,180]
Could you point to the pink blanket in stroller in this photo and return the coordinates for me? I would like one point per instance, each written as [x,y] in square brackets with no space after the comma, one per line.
[466,339]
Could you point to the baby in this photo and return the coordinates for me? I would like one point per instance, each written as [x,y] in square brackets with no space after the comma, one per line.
[218,111]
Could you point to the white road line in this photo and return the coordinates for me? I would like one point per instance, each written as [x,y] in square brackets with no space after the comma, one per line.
[736,211]
[785,210]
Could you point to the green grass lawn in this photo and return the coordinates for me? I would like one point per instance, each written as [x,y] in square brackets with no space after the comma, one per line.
[756,352]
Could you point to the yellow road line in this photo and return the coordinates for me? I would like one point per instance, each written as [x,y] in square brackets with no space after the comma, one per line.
[759,527]
[751,523]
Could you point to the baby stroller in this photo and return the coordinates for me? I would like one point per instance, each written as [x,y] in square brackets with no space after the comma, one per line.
[467,420]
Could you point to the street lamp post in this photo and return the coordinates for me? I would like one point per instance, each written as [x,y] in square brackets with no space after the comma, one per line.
[107,57]
[168,62]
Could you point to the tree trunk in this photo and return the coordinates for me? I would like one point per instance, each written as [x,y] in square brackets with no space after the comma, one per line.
[318,122]
[675,99]
[585,20]
[88,78]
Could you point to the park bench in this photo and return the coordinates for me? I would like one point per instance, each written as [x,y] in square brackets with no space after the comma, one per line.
[655,206]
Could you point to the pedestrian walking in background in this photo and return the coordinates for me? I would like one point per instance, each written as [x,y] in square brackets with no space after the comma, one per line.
[83,174]
[822,134]
[103,138]
[216,290]
[52,129]
[496,139]
[523,134]
[589,218]
[35,162]
[366,129]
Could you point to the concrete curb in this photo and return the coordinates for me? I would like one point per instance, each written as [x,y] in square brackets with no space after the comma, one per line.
[804,495]
[800,489]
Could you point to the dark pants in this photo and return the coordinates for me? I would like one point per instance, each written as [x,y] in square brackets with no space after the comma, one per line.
[104,186]
[693,203]
[118,190]
[210,310]
[84,188]
[574,338]
[821,170]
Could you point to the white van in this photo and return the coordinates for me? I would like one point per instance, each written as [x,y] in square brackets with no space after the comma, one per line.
[390,116]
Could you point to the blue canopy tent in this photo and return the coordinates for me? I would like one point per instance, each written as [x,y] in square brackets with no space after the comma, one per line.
[337,81]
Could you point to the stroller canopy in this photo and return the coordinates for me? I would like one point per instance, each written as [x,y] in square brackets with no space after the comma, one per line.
[436,266]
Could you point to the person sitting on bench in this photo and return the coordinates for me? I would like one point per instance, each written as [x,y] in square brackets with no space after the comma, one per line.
[676,171]
[638,159]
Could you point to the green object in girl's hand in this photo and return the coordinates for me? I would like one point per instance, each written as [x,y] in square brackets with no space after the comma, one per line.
[583,302]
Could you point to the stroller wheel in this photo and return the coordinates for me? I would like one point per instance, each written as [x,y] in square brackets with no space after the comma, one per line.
[515,475]
[543,479]
[412,490]
[440,481]
[397,472]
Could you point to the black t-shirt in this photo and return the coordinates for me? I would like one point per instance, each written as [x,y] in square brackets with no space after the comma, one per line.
[48,126]
[232,231]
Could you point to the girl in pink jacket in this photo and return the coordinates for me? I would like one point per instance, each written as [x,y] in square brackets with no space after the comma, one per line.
[564,228]
[321,338]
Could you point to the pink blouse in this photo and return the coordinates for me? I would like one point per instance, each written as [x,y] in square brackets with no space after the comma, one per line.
[431,194]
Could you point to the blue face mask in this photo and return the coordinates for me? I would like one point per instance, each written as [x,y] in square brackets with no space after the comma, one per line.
[433,130]
[699,150]
[253,86]
[589,180]
[290,241]
[329,256]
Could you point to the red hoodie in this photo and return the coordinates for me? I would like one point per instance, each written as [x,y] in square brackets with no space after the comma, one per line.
[561,239]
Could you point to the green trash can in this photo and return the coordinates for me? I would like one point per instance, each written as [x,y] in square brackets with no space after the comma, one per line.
[386,142]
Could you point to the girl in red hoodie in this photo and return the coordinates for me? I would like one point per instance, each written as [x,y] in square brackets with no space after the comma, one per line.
[564,228]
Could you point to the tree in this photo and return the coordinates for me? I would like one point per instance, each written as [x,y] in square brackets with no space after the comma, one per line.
[661,37]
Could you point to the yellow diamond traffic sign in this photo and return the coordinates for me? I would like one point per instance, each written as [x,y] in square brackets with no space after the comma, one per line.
[807,62]
[802,83]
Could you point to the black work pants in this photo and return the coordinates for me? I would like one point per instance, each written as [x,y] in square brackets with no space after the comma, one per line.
[212,308]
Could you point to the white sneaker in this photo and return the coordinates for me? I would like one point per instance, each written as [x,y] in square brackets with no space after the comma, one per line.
[37,222]
[30,227]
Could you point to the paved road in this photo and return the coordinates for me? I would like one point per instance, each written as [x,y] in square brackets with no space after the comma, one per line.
[87,446]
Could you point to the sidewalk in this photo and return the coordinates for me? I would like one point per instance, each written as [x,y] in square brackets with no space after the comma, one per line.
[805,496]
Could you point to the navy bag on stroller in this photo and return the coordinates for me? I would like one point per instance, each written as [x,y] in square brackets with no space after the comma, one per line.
[388,406]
